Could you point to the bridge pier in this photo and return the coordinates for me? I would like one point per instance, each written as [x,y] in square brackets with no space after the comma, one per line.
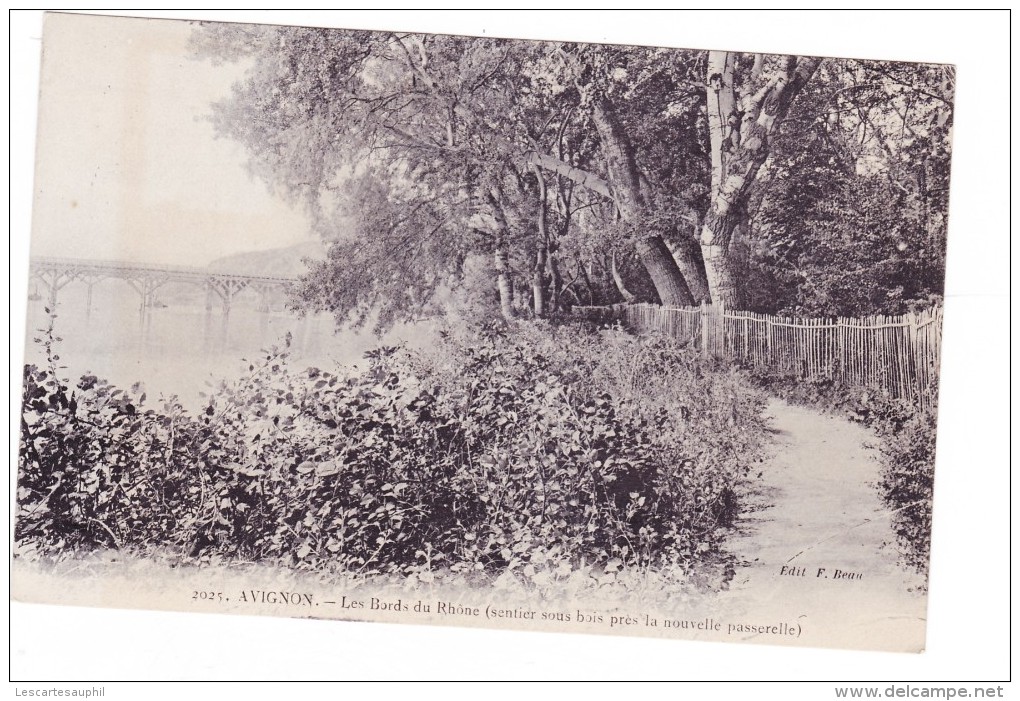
[54,280]
[146,286]
[90,281]
[225,288]
[263,305]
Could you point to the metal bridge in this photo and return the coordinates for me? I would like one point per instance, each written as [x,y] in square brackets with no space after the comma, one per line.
[146,278]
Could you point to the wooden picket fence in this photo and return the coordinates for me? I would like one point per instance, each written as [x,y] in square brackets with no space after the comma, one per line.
[898,355]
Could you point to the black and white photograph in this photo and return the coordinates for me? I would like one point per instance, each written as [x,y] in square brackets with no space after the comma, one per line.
[461,330]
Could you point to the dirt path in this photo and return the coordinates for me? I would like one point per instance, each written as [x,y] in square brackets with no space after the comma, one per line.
[817,544]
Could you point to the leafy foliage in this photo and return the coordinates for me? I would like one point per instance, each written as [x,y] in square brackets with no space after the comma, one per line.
[414,154]
[908,478]
[850,218]
[532,455]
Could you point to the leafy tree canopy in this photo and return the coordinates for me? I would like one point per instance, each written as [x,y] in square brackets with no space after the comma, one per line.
[535,176]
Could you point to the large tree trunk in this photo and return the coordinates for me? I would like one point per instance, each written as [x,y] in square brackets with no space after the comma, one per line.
[624,177]
[670,285]
[633,200]
[741,126]
[724,286]
[687,257]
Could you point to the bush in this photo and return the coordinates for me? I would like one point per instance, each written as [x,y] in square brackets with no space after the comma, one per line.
[95,470]
[907,483]
[529,450]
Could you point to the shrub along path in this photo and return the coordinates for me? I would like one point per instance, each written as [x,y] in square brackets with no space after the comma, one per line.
[816,543]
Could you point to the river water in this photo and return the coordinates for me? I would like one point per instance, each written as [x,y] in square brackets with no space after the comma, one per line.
[183,348]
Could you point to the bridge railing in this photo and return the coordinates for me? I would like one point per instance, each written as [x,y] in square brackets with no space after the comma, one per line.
[112,267]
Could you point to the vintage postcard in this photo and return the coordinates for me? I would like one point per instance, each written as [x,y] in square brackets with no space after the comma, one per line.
[452,330]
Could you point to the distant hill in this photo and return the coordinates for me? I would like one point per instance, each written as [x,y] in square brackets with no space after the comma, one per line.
[274,261]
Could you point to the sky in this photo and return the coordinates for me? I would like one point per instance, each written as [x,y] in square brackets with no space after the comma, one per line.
[127,165]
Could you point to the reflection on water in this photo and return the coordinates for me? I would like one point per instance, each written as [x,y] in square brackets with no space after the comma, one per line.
[179,348]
